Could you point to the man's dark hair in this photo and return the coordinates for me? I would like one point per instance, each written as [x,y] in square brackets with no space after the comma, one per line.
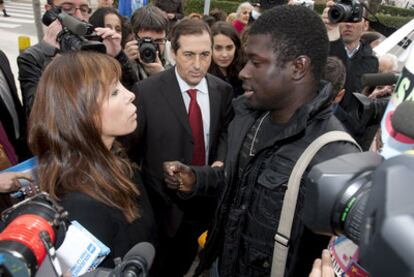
[210,20]
[295,31]
[335,72]
[188,27]
[149,18]
[218,14]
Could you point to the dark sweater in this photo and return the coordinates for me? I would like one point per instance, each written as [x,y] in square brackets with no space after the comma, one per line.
[109,225]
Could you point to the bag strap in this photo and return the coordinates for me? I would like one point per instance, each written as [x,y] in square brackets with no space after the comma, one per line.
[282,237]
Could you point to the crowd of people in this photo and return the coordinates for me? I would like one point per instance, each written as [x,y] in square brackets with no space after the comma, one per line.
[203,136]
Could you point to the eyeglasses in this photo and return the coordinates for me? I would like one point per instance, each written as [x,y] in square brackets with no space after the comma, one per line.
[160,41]
[71,9]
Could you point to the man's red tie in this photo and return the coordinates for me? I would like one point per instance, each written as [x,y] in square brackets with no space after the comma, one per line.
[196,123]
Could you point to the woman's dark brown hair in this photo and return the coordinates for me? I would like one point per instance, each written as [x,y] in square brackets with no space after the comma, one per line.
[225,29]
[65,132]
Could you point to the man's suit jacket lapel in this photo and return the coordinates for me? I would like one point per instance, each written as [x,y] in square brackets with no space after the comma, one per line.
[172,93]
[215,98]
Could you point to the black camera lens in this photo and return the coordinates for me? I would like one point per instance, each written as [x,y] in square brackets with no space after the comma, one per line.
[50,15]
[345,11]
[147,50]
[339,13]
[148,54]
[348,213]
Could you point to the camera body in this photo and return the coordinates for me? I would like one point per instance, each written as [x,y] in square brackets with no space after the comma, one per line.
[346,11]
[368,200]
[76,34]
[147,49]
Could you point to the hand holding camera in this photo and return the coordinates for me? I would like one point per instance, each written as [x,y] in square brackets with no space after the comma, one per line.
[147,52]
[51,33]
[111,39]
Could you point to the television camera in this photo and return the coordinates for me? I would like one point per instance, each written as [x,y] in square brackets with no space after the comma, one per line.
[76,34]
[368,200]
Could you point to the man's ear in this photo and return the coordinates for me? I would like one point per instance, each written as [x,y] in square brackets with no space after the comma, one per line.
[366,25]
[173,54]
[339,96]
[300,67]
[47,7]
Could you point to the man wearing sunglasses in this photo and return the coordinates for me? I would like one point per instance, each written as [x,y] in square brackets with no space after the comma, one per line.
[32,62]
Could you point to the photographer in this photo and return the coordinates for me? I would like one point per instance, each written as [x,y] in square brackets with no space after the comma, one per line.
[148,51]
[346,44]
[33,61]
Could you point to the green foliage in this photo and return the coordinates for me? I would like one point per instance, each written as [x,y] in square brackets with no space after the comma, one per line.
[198,6]
[393,21]
[236,1]
[319,8]
[395,11]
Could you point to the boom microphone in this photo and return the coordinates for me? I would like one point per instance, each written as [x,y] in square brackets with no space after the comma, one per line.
[402,119]
[378,79]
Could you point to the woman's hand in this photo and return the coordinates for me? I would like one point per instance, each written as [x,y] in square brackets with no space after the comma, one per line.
[9,181]
[111,39]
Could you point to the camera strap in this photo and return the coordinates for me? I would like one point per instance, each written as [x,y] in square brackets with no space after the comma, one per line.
[282,237]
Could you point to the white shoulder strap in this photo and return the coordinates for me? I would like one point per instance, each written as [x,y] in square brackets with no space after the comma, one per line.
[282,236]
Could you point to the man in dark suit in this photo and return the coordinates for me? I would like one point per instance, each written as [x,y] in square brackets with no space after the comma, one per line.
[11,110]
[183,115]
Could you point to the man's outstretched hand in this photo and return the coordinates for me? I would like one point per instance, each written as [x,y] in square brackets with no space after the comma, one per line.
[179,176]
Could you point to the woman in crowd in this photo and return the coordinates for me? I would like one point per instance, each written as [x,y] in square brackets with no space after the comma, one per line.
[79,110]
[242,16]
[227,55]
[110,18]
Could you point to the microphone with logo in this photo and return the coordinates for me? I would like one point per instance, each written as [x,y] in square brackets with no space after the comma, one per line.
[136,263]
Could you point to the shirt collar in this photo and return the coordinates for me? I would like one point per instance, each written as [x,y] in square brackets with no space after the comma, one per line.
[201,86]
[351,52]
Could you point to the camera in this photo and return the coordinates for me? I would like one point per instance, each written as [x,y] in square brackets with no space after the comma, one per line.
[368,200]
[32,228]
[346,11]
[147,49]
[76,34]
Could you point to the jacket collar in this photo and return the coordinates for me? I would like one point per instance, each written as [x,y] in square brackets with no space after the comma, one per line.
[319,107]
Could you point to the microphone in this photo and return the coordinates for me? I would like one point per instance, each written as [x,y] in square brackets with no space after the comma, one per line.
[75,25]
[378,79]
[402,119]
[136,263]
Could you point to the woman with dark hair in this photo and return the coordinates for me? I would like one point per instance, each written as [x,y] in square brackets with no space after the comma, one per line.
[109,17]
[79,110]
[227,55]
